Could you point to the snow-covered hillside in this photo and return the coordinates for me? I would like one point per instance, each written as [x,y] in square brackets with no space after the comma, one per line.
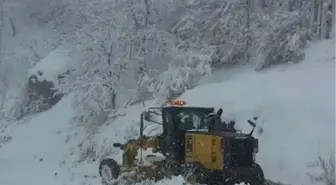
[52,65]
[295,104]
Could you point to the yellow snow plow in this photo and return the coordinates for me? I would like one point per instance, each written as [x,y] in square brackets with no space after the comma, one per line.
[193,143]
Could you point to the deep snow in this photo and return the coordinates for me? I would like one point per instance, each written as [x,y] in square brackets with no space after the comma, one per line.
[52,65]
[40,139]
[295,104]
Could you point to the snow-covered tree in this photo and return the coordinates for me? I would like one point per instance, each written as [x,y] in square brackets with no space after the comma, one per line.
[188,58]
[3,93]
[245,31]
[184,72]
[333,25]
[146,42]
[96,76]
[324,169]
[7,98]
[125,43]
[219,24]
[280,36]
[333,10]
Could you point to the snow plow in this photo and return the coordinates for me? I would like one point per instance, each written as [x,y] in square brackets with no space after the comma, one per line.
[194,143]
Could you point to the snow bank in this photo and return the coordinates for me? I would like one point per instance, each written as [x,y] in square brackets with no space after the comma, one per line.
[321,52]
[52,65]
[36,150]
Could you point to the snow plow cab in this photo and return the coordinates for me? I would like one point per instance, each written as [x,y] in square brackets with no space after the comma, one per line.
[193,143]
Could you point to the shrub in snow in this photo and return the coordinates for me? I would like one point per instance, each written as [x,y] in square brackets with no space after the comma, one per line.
[284,43]
[146,79]
[3,94]
[8,97]
[4,115]
[39,95]
[88,152]
[184,72]
[176,80]
[267,32]
[4,139]
[325,170]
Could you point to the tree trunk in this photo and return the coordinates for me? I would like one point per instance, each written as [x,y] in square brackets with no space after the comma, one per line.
[12,26]
[262,4]
[248,29]
[319,19]
[324,17]
[291,5]
[333,20]
[313,18]
[2,4]
[113,99]
[253,6]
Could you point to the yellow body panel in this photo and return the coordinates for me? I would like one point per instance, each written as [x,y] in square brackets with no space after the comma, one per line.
[205,149]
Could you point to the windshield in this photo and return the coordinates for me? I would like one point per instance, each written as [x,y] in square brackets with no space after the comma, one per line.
[192,120]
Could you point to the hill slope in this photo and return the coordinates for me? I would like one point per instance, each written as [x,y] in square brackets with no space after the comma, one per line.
[36,150]
[294,102]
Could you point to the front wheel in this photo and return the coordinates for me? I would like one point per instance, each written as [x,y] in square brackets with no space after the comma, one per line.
[109,171]
[255,176]
[259,174]
[251,175]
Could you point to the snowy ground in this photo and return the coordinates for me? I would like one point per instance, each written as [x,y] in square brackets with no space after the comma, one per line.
[41,139]
[295,102]
[52,65]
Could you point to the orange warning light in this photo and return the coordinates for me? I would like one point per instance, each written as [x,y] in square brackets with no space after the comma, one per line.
[177,102]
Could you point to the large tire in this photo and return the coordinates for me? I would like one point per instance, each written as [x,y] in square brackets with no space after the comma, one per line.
[259,174]
[109,171]
[256,176]
[252,176]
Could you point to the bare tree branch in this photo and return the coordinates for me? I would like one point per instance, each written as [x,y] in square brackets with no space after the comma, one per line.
[11,22]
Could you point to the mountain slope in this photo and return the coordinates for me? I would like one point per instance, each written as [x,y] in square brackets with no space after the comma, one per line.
[294,103]
[36,150]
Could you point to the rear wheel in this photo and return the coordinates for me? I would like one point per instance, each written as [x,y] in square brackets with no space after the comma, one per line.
[109,171]
[253,176]
[259,178]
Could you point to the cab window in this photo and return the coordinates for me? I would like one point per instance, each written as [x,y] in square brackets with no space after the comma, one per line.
[191,120]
